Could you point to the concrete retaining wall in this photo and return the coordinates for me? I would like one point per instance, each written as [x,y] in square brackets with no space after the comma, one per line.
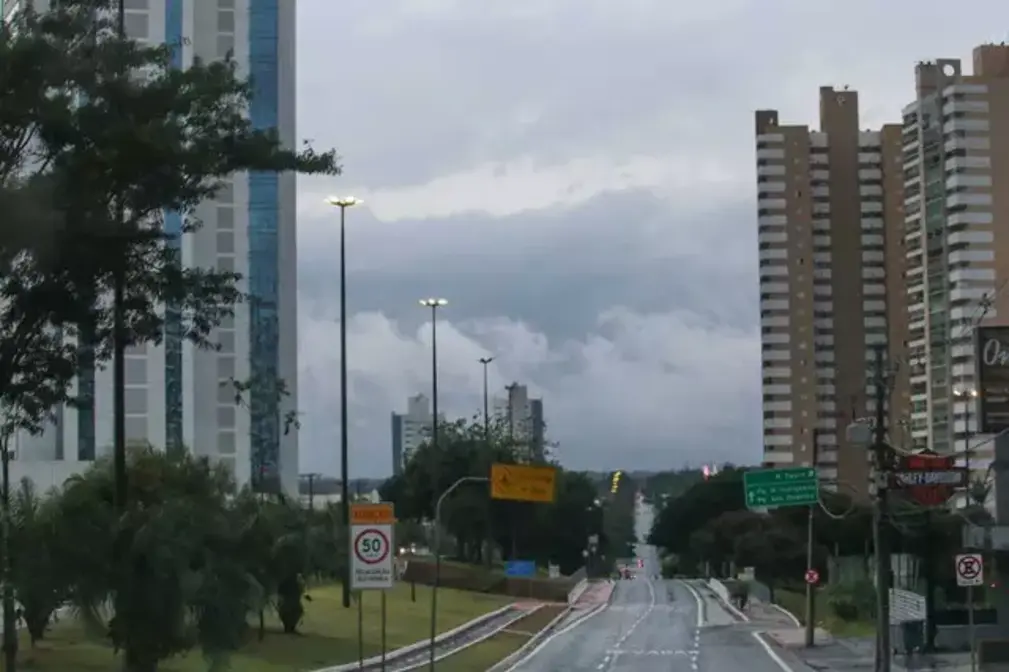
[720,589]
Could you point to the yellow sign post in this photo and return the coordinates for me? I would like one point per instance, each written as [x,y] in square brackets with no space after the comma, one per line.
[523,483]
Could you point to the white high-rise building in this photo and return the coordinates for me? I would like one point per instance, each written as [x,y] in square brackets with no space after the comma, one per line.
[410,430]
[954,135]
[174,391]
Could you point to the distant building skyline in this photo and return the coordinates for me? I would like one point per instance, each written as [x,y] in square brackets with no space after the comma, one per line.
[523,419]
[409,430]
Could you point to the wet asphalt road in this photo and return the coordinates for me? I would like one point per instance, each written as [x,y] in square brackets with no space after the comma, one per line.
[652,625]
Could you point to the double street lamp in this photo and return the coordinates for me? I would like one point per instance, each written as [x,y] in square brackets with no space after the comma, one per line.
[344,202]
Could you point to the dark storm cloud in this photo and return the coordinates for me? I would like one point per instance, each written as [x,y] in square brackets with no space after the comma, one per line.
[631,308]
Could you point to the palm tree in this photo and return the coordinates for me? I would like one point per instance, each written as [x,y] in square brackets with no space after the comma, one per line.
[39,577]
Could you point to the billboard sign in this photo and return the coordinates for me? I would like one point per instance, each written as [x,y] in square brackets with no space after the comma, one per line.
[992,358]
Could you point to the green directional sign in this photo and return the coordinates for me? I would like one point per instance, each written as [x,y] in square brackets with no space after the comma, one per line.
[773,488]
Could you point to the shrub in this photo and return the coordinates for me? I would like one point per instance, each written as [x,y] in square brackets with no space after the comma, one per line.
[852,601]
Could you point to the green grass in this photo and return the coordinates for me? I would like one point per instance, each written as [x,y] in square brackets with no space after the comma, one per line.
[328,634]
[795,602]
[496,648]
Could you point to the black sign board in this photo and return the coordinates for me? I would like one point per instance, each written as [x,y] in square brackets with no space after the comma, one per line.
[992,358]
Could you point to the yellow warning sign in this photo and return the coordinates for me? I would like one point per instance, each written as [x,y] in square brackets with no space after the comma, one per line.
[523,483]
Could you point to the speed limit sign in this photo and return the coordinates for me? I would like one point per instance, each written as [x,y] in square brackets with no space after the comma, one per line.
[371,544]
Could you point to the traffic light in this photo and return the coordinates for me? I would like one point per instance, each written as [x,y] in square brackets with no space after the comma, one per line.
[615,482]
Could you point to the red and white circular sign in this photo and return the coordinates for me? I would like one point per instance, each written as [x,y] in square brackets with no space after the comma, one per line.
[812,577]
[371,546]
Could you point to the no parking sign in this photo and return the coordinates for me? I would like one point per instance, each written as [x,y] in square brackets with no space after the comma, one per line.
[969,569]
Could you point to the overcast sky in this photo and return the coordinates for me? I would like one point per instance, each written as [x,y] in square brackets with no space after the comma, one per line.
[577,178]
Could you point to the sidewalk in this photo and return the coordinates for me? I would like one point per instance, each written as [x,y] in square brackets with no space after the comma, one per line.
[598,592]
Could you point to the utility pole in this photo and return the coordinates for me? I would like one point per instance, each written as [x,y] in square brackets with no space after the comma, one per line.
[882,462]
[810,588]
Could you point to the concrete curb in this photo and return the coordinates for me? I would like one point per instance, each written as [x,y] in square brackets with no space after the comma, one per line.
[720,592]
[391,656]
[577,591]
[792,617]
[512,658]
[476,641]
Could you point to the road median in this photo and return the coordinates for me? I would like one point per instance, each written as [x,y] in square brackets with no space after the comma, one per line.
[502,648]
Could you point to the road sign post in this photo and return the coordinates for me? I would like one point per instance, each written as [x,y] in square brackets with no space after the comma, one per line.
[774,488]
[372,565]
[970,573]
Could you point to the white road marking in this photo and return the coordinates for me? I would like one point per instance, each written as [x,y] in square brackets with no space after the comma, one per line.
[772,653]
[642,617]
[650,652]
[792,617]
[699,601]
[567,628]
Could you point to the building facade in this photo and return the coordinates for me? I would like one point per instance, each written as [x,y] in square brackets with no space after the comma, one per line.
[409,430]
[956,167]
[177,394]
[831,264]
[523,420]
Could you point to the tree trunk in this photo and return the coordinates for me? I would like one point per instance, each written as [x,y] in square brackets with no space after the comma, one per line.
[262,624]
[134,661]
[10,636]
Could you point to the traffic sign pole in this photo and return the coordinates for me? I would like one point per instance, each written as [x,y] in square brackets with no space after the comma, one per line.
[372,566]
[970,573]
[970,628]
[810,588]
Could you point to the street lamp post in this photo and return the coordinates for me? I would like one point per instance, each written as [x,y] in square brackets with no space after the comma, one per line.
[344,202]
[437,557]
[434,304]
[486,406]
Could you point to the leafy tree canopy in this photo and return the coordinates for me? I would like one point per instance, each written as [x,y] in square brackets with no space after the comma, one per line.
[100,137]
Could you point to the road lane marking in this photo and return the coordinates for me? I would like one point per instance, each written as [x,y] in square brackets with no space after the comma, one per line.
[772,653]
[569,627]
[642,617]
[699,601]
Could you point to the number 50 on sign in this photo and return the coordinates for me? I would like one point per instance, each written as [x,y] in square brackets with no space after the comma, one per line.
[371,546]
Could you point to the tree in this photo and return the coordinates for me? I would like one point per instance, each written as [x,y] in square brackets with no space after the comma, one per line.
[112,153]
[38,578]
[703,502]
[669,484]
[555,533]
[181,579]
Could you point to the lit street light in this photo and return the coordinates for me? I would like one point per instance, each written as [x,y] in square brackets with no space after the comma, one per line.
[344,202]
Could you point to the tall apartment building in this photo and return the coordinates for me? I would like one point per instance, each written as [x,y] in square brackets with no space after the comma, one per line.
[830,232]
[522,416]
[174,391]
[409,430]
[956,168]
